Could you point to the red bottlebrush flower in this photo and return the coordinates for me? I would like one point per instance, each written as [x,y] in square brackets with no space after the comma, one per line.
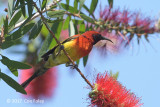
[146,24]
[108,92]
[43,86]
[105,13]
[114,15]
[125,17]
[110,47]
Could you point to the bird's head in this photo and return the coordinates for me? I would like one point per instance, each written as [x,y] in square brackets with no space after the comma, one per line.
[96,36]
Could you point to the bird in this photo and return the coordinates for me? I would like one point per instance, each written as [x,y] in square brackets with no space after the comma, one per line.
[76,46]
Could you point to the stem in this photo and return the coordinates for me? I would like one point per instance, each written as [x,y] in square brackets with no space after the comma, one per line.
[44,21]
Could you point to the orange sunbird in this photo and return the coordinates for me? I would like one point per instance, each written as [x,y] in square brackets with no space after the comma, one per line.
[76,46]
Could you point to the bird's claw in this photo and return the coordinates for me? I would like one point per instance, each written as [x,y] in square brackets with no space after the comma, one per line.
[61,48]
[72,66]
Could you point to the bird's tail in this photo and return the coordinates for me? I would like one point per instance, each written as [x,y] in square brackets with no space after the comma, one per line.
[40,71]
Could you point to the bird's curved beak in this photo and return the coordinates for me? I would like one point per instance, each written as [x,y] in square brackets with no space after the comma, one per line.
[104,38]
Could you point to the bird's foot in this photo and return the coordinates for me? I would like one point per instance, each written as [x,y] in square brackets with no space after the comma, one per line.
[71,65]
[61,48]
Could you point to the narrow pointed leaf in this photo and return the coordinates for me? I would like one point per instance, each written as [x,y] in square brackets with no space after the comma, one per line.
[20,32]
[82,28]
[44,4]
[7,44]
[66,23]
[45,46]
[36,30]
[56,28]
[14,19]
[55,14]
[6,25]
[67,1]
[81,4]
[25,22]
[85,59]
[14,64]
[87,9]
[54,21]
[30,7]
[17,2]
[49,42]
[12,83]
[93,5]
[23,7]
[69,8]
[75,5]
[10,8]
[77,62]
[88,19]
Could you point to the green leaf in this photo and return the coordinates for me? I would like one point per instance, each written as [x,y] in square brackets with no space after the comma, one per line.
[110,3]
[56,28]
[49,42]
[11,82]
[69,8]
[75,5]
[82,28]
[77,62]
[87,9]
[23,7]
[14,19]
[16,4]
[10,8]
[71,28]
[45,46]
[20,32]
[93,5]
[54,21]
[14,65]
[55,14]
[36,30]
[67,1]
[44,4]
[85,60]
[25,22]
[7,44]
[88,19]
[6,26]
[44,31]
[75,26]
[30,7]
[66,23]
[81,4]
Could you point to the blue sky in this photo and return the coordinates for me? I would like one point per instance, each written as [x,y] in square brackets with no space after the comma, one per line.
[138,67]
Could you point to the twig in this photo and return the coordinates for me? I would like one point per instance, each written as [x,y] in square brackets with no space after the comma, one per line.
[48,7]
[44,21]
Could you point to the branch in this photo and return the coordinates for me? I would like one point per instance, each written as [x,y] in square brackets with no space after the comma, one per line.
[44,21]
[48,7]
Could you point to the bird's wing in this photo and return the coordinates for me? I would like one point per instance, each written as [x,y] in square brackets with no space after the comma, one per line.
[70,38]
[46,55]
